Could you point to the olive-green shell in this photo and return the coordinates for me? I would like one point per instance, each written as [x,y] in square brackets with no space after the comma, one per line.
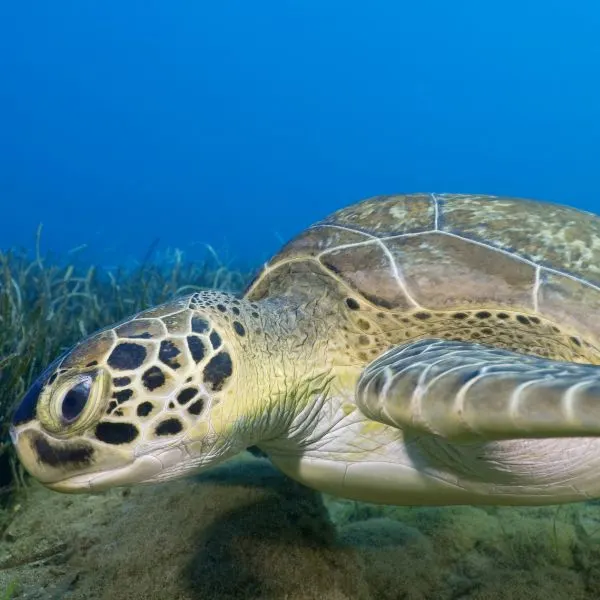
[446,251]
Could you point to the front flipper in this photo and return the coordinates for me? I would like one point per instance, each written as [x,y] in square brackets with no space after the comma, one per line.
[467,391]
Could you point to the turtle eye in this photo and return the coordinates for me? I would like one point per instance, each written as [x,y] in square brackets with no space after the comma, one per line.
[75,399]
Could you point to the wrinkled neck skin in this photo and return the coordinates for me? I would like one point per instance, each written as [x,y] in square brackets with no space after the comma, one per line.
[282,365]
[292,358]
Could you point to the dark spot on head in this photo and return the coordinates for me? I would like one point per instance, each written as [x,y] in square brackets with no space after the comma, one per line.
[476,334]
[121,381]
[127,356]
[423,316]
[116,433]
[487,330]
[503,315]
[523,319]
[92,363]
[239,328]
[352,304]
[122,395]
[363,340]
[576,341]
[59,454]
[535,320]
[153,378]
[196,347]
[200,325]
[215,339]
[255,314]
[52,378]
[186,395]
[168,353]
[236,310]
[218,370]
[460,315]
[483,314]
[196,408]
[144,409]
[169,427]
[222,308]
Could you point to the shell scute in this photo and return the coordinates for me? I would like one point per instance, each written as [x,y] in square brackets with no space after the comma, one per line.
[317,239]
[547,234]
[388,215]
[570,301]
[442,271]
[290,278]
[368,270]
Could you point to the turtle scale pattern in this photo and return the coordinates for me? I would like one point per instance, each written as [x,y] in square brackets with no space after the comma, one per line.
[148,356]
[511,272]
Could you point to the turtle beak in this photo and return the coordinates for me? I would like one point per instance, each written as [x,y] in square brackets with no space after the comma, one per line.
[47,458]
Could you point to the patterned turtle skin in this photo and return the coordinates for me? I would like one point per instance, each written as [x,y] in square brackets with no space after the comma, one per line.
[408,349]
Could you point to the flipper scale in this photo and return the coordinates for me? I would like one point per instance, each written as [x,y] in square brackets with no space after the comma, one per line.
[462,390]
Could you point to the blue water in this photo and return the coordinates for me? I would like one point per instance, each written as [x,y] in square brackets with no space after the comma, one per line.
[238,123]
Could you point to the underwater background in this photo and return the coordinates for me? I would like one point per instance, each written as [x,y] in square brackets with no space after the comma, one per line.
[239,123]
[163,145]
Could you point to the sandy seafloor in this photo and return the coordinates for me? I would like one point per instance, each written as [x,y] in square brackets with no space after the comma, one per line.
[244,530]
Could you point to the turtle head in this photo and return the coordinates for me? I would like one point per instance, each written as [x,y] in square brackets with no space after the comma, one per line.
[149,399]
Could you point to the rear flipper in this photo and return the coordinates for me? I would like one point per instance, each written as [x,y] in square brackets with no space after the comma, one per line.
[467,391]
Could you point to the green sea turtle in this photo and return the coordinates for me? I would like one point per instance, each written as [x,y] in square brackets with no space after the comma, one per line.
[410,349]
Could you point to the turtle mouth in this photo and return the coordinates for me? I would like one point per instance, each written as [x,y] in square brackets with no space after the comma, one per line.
[141,470]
